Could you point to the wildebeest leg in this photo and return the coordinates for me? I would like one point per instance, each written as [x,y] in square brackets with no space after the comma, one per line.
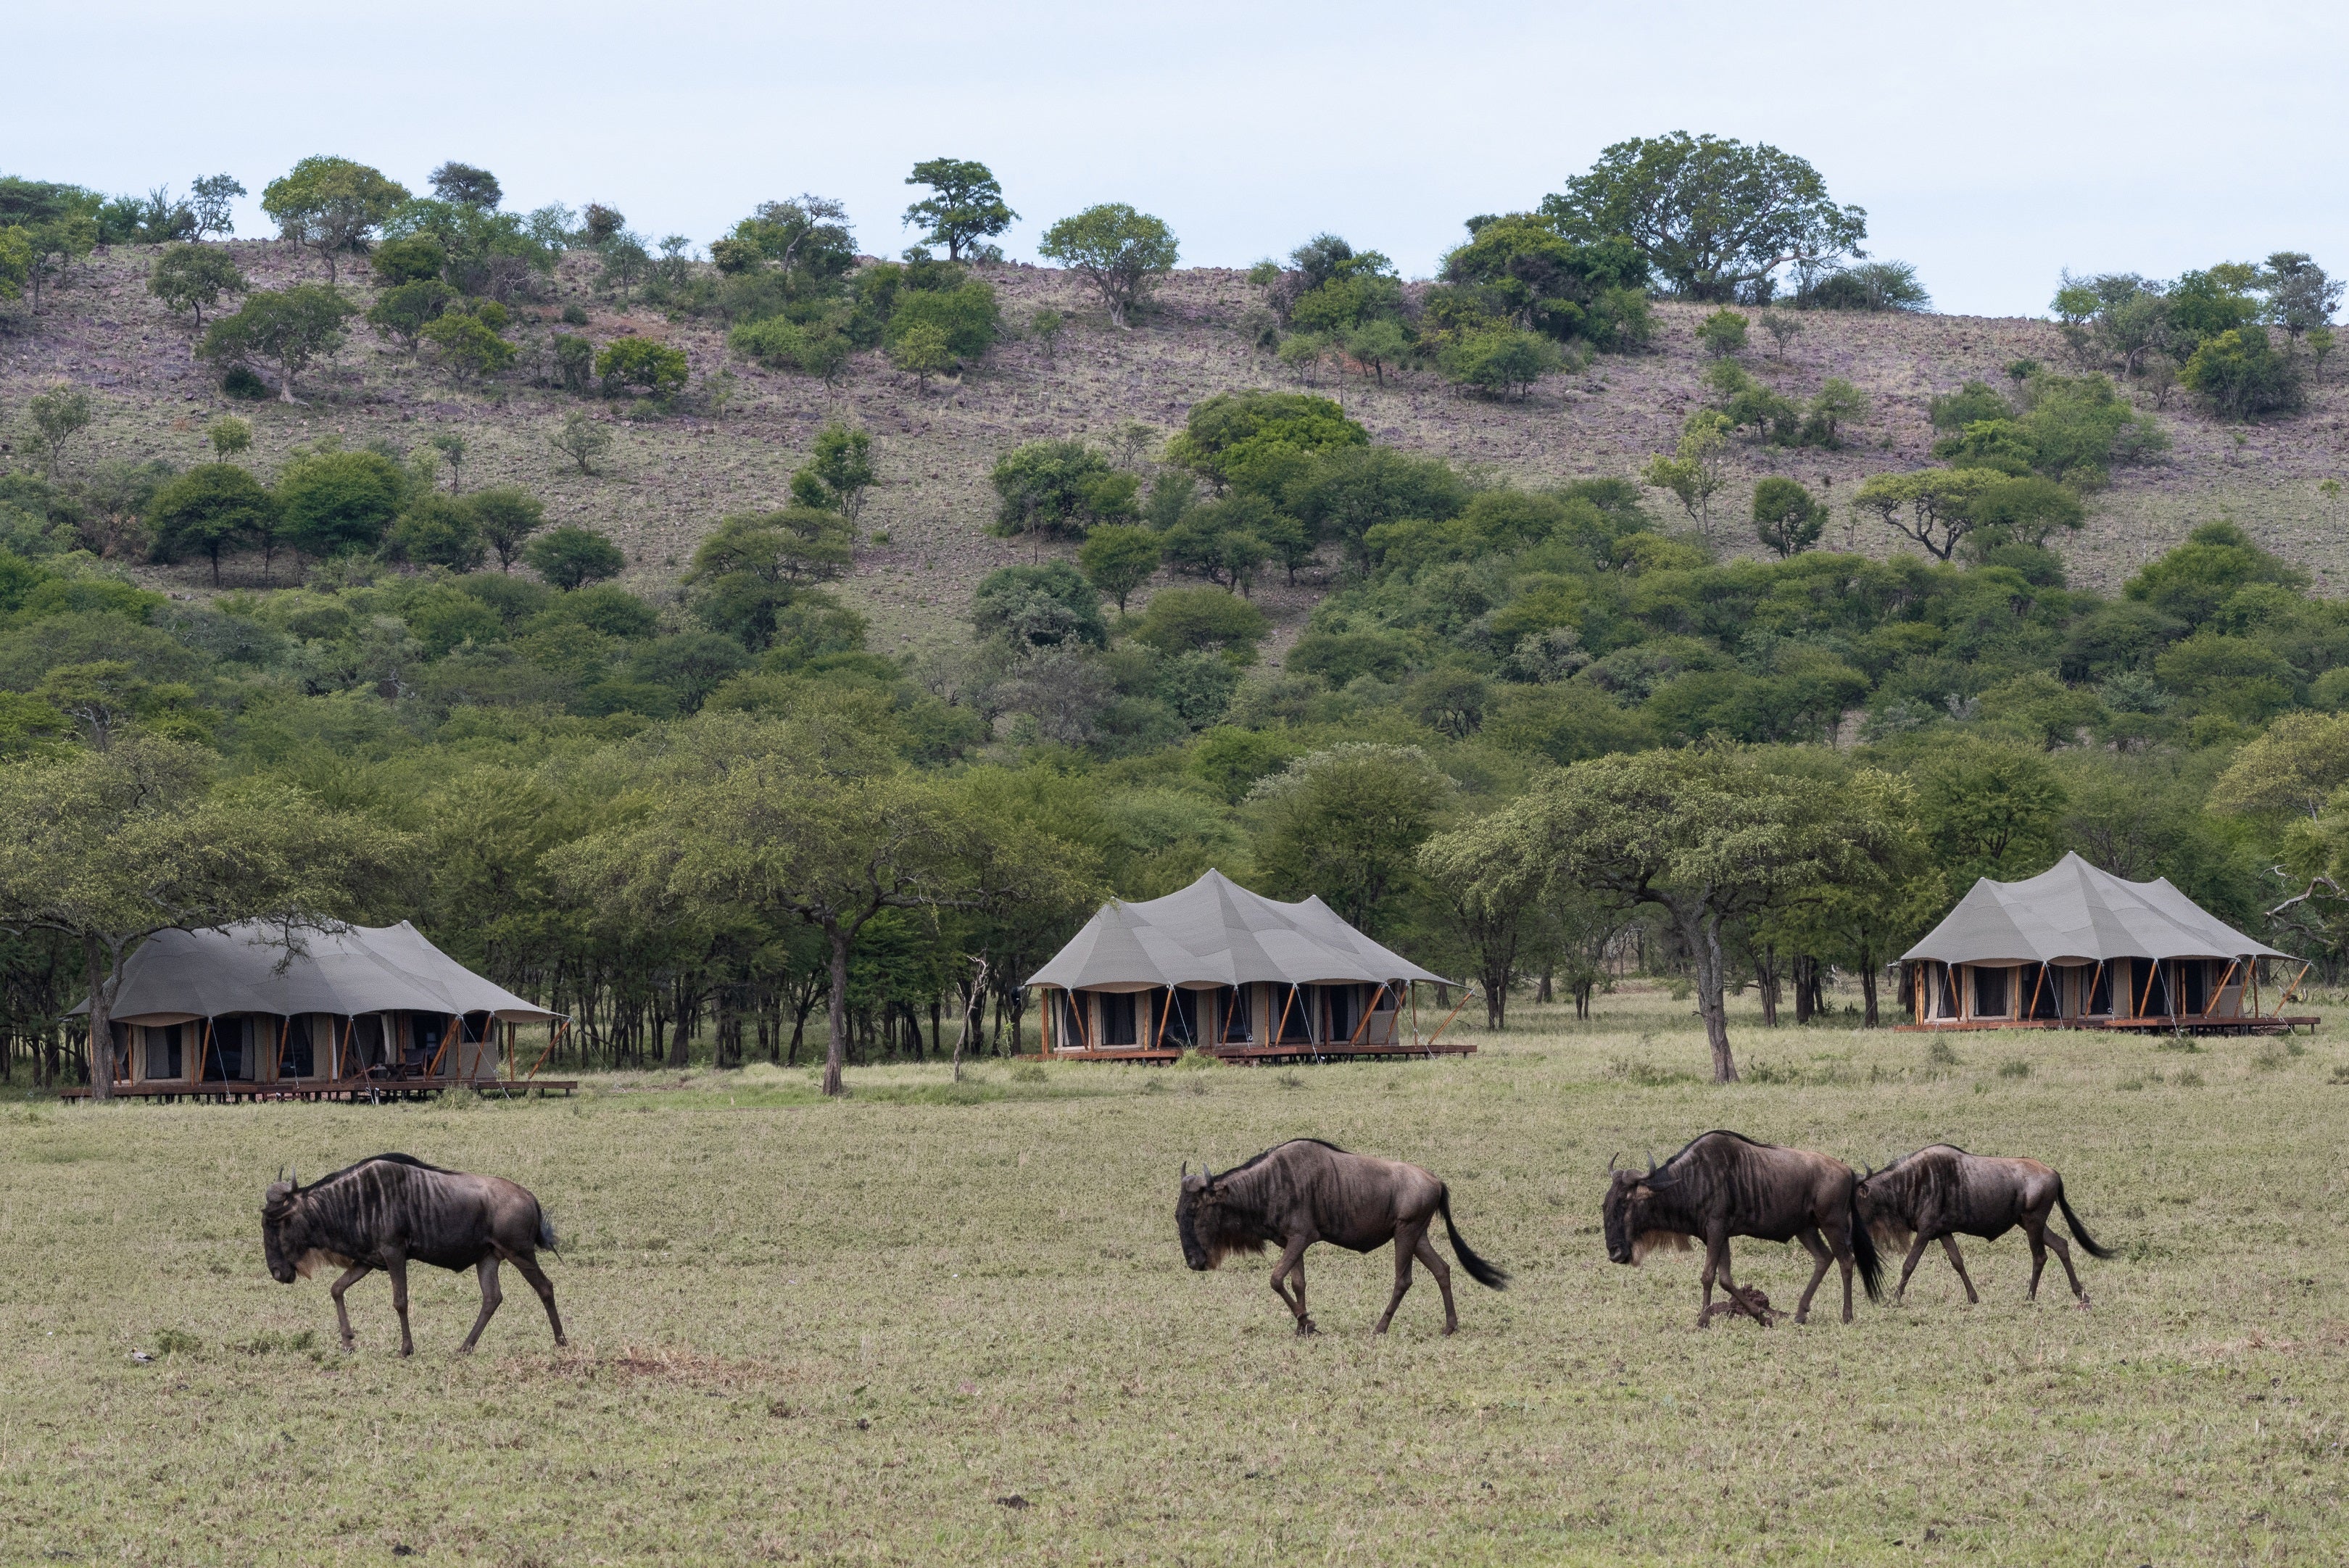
[1443,1273]
[1950,1245]
[1404,1243]
[491,1297]
[2064,1255]
[351,1277]
[397,1269]
[1716,1263]
[1292,1261]
[2038,1235]
[545,1288]
[1916,1250]
[1817,1245]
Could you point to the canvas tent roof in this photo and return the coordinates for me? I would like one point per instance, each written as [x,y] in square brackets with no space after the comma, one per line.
[357,970]
[2075,912]
[1216,933]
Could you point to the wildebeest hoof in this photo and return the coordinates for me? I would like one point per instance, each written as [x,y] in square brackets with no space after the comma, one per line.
[2083,1300]
[1305,1326]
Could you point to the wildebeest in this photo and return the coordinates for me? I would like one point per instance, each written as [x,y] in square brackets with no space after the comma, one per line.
[1305,1190]
[389,1210]
[1724,1184]
[1942,1192]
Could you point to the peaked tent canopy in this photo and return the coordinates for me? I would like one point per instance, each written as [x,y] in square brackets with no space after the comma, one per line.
[1216,933]
[2074,913]
[182,975]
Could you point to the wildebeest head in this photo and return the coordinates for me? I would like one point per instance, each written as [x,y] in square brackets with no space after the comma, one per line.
[1881,1200]
[276,1204]
[1629,1195]
[1197,1201]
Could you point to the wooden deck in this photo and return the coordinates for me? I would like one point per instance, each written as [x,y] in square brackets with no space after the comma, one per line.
[1293,1051]
[351,1091]
[2190,1024]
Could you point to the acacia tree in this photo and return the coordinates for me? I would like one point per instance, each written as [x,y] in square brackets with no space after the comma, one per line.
[1709,835]
[331,205]
[108,848]
[1121,252]
[1490,890]
[965,208]
[290,327]
[1713,217]
[1935,507]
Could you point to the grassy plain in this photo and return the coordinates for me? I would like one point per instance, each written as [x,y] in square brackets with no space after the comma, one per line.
[940,1325]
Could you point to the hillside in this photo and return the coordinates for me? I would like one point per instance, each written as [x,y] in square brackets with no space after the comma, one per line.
[667,481]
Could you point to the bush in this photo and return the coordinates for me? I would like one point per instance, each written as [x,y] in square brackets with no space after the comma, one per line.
[242,384]
[1039,607]
[1871,285]
[2242,375]
[468,349]
[572,557]
[574,314]
[1201,620]
[1787,517]
[1723,334]
[340,503]
[574,362]
[1503,361]
[967,318]
[644,364]
[438,530]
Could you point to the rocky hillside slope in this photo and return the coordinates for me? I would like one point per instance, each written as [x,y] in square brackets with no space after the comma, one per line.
[667,479]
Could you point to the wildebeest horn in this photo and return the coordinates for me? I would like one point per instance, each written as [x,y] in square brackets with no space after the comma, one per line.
[298,1175]
[1610,1161]
[281,1173]
[1186,1170]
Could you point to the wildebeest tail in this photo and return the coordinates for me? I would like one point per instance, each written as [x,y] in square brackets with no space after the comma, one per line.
[1863,1252]
[2079,1231]
[546,1233]
[1489,1274]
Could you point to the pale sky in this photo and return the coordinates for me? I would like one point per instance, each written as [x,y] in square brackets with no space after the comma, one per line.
[1992,145]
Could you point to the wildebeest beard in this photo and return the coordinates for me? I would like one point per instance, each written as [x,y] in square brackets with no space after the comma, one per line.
[1205,1230]
[1639,1219]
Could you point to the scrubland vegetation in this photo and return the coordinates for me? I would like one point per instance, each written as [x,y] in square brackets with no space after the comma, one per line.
[542,554]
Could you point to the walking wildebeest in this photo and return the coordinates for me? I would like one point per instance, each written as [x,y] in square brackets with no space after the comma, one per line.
[388,1211]
[1724,1184]
[1942,1192]
[1305,1190]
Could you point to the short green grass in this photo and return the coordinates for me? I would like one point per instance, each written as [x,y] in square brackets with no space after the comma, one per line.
[941,1325]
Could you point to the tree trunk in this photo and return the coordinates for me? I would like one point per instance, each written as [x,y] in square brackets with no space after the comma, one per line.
[836,1032]
[1868,987]
[1803,966]
[1543,993]
[1766,981]
[1701,928]
[101,1024]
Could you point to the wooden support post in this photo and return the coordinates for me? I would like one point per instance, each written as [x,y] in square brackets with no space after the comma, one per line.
[1414,986]
[2152,972]
[1355,1038]
[456,1034]
[1165,1016]
[2294,986]
[554,1031]
[1282,1029]
[2232,964]
[2032,1011]
[1466,994]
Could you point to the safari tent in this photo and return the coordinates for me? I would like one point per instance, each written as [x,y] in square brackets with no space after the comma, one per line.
[254,1010]
[1219,969]
[2077,947]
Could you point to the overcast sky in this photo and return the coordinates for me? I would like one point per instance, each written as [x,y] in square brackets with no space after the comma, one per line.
[1992,145]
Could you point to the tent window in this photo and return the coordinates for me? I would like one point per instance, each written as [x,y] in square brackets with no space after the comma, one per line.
[1343,1012]
[1183,1028]
[295,1058]
[1295,1013]
[1117,1017]
[424,1037]
[1948,1004]
[224,1054]
[1989,992]
[2046,991]
[163,1051]
[2193,985]
[1232,1005]
[2100,993]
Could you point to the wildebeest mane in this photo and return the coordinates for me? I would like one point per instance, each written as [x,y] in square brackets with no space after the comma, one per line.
[1255,1160]
[372,1160]
[1662,1175]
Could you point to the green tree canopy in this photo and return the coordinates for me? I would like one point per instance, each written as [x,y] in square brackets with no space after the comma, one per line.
[290,329]
[331,205]
[571,557]
[211,508]
[1121,252]
[1714,218]
[1118,558]
[193,277]
[965,208]
[340,503]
